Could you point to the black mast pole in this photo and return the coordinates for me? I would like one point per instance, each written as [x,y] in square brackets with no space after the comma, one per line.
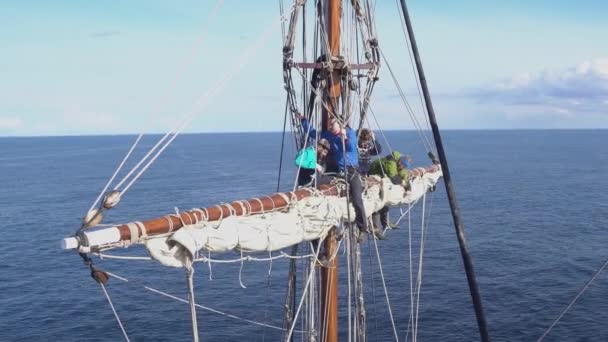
[464,249]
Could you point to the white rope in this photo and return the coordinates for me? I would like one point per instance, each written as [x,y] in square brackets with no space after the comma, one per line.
[421,133]
[349,290]
[413,65]
[306,287]
[573,301]
[419,276]
[206,308]
[116,172]
[124,332]
[410,207]
[173,83]
[388,303]
[409,231]
[210,260]
[191,299]
[245,57]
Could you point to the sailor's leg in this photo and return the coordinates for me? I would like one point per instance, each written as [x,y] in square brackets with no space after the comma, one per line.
[356,192]
[376,219]
[383,213]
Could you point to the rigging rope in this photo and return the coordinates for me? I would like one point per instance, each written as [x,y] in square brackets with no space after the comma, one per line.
[122,328]
[191,300]
[423,136]
[580,293]
[116,172]
[413,64]
[306,287]
[409,231]
[419,276]
[201,102]
[206,308]
[388,303]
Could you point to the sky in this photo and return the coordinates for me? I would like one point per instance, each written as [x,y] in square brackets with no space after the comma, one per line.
[119,67]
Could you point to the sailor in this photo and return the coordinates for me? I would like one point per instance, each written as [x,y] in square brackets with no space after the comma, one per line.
[368,147]
[344,155]
[392,166]
[311,161]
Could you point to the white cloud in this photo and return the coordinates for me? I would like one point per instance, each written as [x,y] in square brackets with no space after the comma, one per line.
[580,89]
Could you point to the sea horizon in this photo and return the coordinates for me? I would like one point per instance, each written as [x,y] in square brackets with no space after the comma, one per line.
[288,132]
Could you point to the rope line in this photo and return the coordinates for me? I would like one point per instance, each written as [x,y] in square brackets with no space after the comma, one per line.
[388,303]
[200,104]
[573,301]
[116,172]
[122,328]
[206,308]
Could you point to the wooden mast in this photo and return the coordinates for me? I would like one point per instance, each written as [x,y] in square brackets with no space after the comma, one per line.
[329,276]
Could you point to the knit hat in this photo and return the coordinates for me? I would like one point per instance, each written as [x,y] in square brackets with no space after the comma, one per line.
[323,142]
[396,155]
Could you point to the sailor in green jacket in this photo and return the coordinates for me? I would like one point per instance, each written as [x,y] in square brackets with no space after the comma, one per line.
[393,167]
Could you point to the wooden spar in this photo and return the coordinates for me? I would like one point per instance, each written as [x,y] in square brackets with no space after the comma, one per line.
[329,275]
[464,249]
[260,205]
[172,222]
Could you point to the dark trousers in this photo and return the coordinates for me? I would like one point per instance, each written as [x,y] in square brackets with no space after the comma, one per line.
[356,192]
[305,176]
[380,218]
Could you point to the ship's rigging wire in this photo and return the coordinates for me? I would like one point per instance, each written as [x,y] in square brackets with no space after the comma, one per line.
[191,299]
[306,287]
[388,302]
[369,249]
[414,68]
[422,133]
[206,308]
[122,328]
[163,101]
[243,59]
[204,259]
[409,236]
[573,301]
[122,163]
[419,276]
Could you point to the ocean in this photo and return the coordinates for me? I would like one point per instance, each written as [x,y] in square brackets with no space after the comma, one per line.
[534,205]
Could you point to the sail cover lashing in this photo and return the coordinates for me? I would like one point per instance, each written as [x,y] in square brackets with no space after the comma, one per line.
[304,220]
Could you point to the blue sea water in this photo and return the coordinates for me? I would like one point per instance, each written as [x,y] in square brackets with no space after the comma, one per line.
[534,205]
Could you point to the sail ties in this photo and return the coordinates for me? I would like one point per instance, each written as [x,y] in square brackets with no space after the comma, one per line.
[191,300]
[135,228]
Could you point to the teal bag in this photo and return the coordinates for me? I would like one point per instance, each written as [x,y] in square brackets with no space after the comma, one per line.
[307,158]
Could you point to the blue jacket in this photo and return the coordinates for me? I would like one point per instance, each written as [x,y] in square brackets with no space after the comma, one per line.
[349,155]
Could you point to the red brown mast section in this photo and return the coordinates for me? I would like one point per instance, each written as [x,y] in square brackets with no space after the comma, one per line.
[329,275]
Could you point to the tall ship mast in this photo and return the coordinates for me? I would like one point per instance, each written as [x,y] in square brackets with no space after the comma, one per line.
[335,86]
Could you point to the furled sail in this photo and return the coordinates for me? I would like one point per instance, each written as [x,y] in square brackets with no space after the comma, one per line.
[300,220]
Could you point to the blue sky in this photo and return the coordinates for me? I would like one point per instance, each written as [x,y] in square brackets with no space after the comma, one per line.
[113,67]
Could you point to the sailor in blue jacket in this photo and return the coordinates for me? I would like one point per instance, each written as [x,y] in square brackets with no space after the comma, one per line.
[345,154]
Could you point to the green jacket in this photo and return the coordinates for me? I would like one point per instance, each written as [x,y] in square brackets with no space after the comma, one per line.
[390,167]
[307,158]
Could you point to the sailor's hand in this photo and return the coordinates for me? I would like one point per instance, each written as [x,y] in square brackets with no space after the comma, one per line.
[299,116]
[408,158]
